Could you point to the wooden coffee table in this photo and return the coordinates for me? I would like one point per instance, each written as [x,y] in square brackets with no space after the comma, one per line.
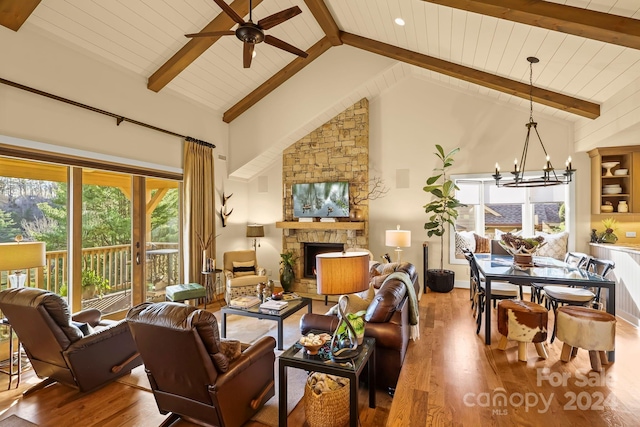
[294,305]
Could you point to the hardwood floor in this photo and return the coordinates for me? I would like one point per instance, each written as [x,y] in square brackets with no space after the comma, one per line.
[449,378]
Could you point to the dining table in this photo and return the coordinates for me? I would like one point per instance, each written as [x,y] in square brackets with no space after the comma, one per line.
[544,271]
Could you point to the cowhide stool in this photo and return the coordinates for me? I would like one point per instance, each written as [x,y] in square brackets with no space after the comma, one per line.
[524,322]
[587,328]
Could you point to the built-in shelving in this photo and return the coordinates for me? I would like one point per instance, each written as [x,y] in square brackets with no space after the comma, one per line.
[628,158]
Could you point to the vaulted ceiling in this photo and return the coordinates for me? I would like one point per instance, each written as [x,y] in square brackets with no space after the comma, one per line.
[589,50]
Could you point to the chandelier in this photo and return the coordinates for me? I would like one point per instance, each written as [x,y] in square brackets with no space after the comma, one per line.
[549,176]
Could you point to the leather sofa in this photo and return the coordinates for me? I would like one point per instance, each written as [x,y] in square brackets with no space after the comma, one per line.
[195,375]
[387,320]
[81,351]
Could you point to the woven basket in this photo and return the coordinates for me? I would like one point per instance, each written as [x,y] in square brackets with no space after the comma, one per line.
[329,409]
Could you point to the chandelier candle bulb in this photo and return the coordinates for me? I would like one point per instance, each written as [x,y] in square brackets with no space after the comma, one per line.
[497,169]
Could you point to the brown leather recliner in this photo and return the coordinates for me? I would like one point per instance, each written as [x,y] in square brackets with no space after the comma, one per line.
[387,320]
[58,348]
[189,374]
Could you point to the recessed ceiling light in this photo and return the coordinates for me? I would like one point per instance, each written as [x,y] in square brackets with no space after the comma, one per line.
[399,21]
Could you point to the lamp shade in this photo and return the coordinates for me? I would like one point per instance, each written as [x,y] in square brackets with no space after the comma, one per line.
[342,272]
[18,256]
[398,238]
[255,230]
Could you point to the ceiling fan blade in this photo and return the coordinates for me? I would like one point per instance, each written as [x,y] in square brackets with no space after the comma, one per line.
[227,9]
[211,34]
[278,18]
[247,54]
[284,46]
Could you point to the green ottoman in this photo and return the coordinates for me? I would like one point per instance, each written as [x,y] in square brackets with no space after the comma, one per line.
[178,293]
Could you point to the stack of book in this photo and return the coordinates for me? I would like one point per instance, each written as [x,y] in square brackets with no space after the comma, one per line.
[244,302]
[273,307]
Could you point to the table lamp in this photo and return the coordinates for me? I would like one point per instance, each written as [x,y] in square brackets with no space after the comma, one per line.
[255,231]
[21,255]
[340,273]
[399,239]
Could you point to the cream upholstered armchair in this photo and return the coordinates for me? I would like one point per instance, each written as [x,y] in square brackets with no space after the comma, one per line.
[242,273]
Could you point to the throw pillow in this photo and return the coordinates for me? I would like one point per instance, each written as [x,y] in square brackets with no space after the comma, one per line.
[465,240]
[246,268]
[230,348]
[483,244]
[556,245]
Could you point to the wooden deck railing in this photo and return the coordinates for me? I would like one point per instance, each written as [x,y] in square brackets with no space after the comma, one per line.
[110,262]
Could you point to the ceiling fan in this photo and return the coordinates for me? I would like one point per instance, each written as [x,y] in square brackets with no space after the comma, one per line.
[251,34]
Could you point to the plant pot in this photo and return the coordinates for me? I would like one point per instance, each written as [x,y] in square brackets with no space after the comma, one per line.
[440,280]
[287,278]
[609,238]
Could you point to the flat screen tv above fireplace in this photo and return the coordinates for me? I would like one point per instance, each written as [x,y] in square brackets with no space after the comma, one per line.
[321,199]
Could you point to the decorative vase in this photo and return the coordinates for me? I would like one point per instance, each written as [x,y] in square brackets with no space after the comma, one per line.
[287,277]
[609,238]
[356,214]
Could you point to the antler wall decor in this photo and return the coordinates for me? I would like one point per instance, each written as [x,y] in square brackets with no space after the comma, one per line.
[223,212]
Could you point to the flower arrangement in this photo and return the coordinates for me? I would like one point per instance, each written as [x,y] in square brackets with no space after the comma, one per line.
[517,245]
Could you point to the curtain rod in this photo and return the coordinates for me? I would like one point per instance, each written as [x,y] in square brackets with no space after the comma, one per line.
[119,118]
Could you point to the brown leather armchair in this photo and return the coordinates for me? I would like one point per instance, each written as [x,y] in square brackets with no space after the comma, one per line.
[190,372]
[58,348]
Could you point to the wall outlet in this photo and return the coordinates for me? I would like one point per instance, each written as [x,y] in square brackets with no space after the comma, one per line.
[630,234]
[270,272]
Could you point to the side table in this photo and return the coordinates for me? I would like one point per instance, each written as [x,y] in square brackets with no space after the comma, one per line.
[212,286]
[11,371]
[296,357]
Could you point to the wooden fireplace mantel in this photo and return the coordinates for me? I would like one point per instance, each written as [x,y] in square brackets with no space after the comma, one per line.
[320,225]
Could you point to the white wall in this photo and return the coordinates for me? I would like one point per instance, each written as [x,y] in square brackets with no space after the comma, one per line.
[309,94]
[414,115]
[33,60]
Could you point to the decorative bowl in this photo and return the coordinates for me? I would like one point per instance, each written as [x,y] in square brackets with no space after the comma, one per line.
[621,171]
[312,342]
[606,208]
[609,165]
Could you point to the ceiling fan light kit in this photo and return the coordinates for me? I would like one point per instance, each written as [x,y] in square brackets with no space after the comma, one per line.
[251,34]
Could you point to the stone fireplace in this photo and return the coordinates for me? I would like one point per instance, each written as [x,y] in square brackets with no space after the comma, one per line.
[336,151]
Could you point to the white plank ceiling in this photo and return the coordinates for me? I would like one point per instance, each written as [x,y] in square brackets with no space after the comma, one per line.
[141,35]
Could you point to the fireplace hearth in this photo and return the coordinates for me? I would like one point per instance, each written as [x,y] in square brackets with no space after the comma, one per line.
[313,249]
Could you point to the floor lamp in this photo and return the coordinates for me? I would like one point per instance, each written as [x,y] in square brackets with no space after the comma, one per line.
[21,255]
[399,239]
[341,273]
[255,231]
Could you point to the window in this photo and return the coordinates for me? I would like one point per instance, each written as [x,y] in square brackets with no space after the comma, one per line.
[491,210]
[36,201]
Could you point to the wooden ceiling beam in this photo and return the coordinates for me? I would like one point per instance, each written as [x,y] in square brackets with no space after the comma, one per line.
[324,18]
[580,22]
[276,80]
[512,87]
[196,46]
[14,13]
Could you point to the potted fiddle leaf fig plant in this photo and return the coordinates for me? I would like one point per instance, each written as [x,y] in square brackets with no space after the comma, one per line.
[442,211]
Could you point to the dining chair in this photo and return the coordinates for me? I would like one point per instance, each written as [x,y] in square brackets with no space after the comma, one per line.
[574,259]
[499,290]
[578,296]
